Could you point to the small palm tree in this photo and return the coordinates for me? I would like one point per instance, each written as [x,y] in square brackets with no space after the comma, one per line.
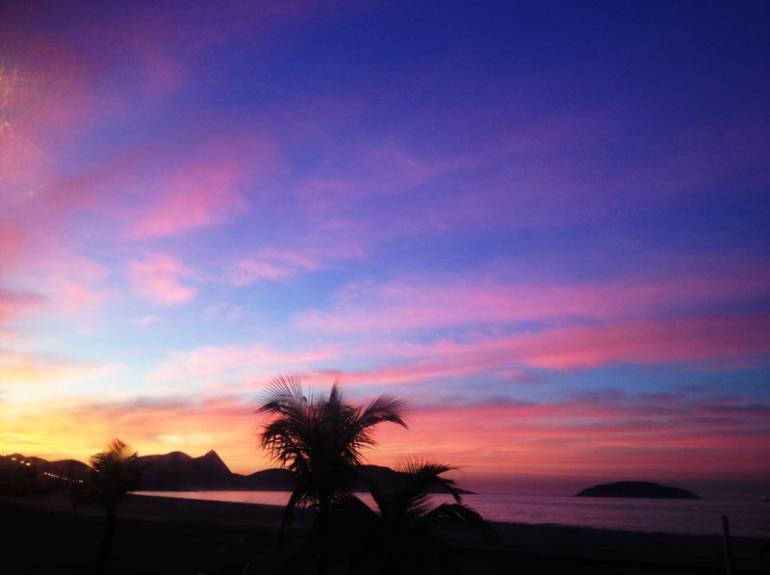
[114,472]
[321,440]
[400,535]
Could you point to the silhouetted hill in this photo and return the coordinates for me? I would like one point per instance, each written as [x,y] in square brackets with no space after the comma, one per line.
[20,475]
[386,478]
[637,489]
[66,467]
[265,480]
[177,471]
[283,480]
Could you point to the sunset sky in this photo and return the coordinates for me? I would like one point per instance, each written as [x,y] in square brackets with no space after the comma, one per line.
[545,226]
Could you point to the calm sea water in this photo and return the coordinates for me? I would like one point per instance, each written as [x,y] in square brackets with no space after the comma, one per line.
[700,516]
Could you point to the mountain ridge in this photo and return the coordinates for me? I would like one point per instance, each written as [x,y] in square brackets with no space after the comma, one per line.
[178,471]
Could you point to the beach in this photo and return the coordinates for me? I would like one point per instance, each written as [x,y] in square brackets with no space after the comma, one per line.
[167,535]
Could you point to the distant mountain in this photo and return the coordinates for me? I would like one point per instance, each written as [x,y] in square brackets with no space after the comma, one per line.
[283,480]
[177,471]
[265,480]
[637,489]
[66,468]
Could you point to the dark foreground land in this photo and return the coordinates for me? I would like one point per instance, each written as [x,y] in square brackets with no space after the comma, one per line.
[167,536]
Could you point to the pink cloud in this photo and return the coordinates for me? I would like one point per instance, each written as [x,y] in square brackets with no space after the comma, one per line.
[201,197]
[355,172]
[249,271]
[409,304]
[9,242]
[277,264]
[13,306]
[24,368]
[665,437]
[159,43]
[41,101]
[541,175]
[71,282]
[75,297]
[730,340]
[648,342]
[46,98]
[158,278]
[207,189]
[217,364]
[146,320]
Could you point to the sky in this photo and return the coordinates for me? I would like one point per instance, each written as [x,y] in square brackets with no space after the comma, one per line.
[545,226]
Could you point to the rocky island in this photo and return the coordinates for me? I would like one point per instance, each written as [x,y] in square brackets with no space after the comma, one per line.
[637,489]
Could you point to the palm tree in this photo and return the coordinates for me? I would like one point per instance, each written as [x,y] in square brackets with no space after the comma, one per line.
[114,472]
[400,535]
[321,440]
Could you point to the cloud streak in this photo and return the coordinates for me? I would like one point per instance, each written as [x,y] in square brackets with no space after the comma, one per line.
[159,278]
[218,364]
[409,304]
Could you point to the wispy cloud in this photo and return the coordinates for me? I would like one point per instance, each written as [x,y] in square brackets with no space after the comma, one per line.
[159,278]
[24,368]
[146,320]
[14,303]
[415,303]
[279,264]
[206,188]
[219,364]
[701,342]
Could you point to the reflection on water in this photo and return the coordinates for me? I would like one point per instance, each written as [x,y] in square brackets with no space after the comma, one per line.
[747,518]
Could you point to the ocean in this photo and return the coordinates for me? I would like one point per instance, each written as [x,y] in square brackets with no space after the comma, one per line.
[748,518]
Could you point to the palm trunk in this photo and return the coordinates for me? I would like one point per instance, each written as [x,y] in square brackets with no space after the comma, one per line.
[323,535]
[106,544]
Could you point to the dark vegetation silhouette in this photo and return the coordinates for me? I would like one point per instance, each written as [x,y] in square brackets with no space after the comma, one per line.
[402,534]
[114,472]
[321,440]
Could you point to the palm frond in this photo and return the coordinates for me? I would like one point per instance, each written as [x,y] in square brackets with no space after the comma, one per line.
[283,392]
[320,440]
[459,515]
[421,479]
[114,472]
[357,432]
[381,497]
[383,409]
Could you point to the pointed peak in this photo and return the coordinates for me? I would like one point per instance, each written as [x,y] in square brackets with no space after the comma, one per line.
[212,457]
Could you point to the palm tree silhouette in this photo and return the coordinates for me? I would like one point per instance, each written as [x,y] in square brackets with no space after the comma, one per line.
[114,472]
[320,439]
[400,535]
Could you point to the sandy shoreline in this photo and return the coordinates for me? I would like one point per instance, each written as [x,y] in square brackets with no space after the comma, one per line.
[545,548]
